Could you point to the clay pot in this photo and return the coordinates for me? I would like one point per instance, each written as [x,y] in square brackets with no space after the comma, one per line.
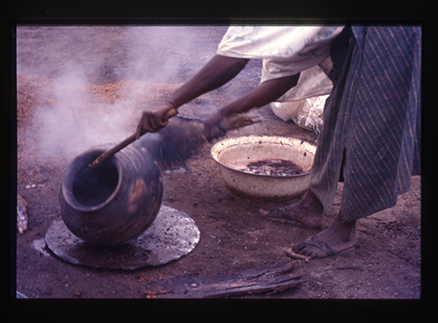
[116,201]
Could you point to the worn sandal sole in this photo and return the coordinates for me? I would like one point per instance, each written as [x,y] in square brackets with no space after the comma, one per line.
[289,252]
[286,218]
[346,252]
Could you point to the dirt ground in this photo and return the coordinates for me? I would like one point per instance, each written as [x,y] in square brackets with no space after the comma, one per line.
[386,264]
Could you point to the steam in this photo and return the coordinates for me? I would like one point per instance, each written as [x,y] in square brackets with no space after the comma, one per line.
[76,121]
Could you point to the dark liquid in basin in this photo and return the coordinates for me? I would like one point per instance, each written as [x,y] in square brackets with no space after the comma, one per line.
[274,167]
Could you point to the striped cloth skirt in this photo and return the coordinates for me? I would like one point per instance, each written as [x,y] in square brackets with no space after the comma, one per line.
[371,132]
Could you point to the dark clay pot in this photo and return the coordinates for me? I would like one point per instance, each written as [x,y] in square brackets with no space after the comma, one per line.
[116,201]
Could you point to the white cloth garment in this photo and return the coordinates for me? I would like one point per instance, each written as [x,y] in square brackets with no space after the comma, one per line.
[286,51]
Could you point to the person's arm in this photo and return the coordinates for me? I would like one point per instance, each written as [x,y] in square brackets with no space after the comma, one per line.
[263,94]
[218,71]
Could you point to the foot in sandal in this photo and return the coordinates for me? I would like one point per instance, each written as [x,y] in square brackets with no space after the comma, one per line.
[308,211]
[338,239]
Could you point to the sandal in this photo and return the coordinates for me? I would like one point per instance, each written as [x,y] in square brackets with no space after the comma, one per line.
[283,217]
[320,245]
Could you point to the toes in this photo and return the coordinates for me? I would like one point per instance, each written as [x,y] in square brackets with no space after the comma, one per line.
[308,250]
[313,252]
[303,250]
[268,213]
[301,245]
[298,248]
[307,253]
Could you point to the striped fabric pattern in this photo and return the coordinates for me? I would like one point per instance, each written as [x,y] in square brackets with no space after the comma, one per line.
[372,118]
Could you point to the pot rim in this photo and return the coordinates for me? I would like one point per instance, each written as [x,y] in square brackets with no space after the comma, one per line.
[214,153]
[67,191]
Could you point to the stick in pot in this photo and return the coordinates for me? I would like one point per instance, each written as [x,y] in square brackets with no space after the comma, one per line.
[122,145]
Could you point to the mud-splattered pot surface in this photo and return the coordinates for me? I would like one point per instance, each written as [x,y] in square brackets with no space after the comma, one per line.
[113,78]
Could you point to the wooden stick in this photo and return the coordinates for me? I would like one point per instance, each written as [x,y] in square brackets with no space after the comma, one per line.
[271,278]
[122,145]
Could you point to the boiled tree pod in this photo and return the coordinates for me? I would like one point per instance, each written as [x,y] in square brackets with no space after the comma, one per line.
[114,202]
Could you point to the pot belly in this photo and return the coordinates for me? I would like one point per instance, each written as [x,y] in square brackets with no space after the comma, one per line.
[116,201]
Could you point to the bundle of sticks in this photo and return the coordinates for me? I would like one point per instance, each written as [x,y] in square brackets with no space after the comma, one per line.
[267,279]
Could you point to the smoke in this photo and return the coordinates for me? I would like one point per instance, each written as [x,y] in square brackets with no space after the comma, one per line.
[85,62]
[76,122]
[67,119]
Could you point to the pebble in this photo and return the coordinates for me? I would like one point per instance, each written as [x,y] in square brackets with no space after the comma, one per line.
[22,220]
[39,246]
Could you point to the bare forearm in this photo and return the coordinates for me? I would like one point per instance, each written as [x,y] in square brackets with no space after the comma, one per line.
[263,94]
[218,71]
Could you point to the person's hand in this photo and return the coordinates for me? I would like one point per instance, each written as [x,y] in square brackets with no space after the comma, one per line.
[211,126]
[152,119]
